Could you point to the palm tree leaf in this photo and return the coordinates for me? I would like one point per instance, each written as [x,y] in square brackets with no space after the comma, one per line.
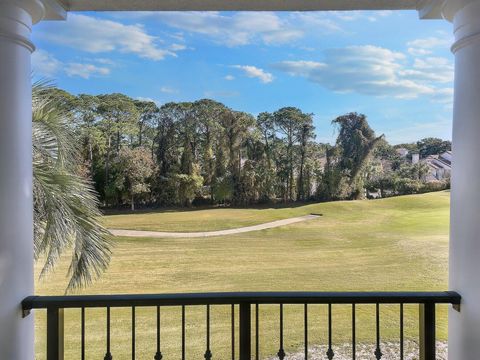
[65,204]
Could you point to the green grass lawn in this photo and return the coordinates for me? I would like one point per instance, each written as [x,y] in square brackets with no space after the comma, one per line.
[201,220]
[392,244]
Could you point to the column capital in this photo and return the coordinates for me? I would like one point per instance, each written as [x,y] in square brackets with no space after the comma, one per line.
[465,15]
[38,9]
[18,16]
[438,9]
[466,24]
[14,9]
[16,19]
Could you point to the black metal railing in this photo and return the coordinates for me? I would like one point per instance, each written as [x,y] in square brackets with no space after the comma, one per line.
[244,301]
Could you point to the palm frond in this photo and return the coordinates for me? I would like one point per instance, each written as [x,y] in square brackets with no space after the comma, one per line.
[65,204]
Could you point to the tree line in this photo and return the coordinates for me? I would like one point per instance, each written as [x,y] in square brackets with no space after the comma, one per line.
[204,152]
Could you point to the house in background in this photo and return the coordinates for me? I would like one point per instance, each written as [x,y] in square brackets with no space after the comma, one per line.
[440,166]
[402,152]
[415,158]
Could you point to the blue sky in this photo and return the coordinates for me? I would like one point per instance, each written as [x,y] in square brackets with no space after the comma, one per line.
[391,66]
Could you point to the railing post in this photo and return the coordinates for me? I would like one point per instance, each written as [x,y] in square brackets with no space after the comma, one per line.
[245,332]
[55,328]
[427,331]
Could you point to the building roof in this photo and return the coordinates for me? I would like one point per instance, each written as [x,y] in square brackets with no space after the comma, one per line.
[446,157]
[402,150]
[438,163]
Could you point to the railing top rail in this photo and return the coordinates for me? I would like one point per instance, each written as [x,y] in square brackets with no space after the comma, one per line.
[226,298]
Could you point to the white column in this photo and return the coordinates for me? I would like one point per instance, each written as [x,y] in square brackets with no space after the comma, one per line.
[464,326]
[16,218]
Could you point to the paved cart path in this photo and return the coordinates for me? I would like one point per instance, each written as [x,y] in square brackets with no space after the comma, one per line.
[164,234]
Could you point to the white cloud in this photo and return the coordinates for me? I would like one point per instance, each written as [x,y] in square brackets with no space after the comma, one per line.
[371,16]
[383,13]
[233,30]
[424,46]
[429,42]
[372,70]
[254,72]
[178,47]
[85,70]
[168,90]
[45,64]
[220,94]
[444,96]
[435,69]
[229,77]
[179,36]
[314,20]
[418,51]
[96,35]
[148,99]
[104,61]
[243,28]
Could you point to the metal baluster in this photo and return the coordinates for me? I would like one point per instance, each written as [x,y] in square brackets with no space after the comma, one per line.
[378,351]
[281,352]
[330,353]
[354,340]
[233,331]
[133,332]
[245,333]
[401,332]
[305,321]
[427,331]
[55,333]
[257,342]
[208,353]
[158,355]
[183,332]
[108,355]
[83,334]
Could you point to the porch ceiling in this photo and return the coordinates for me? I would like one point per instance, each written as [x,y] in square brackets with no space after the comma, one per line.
[151,5]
